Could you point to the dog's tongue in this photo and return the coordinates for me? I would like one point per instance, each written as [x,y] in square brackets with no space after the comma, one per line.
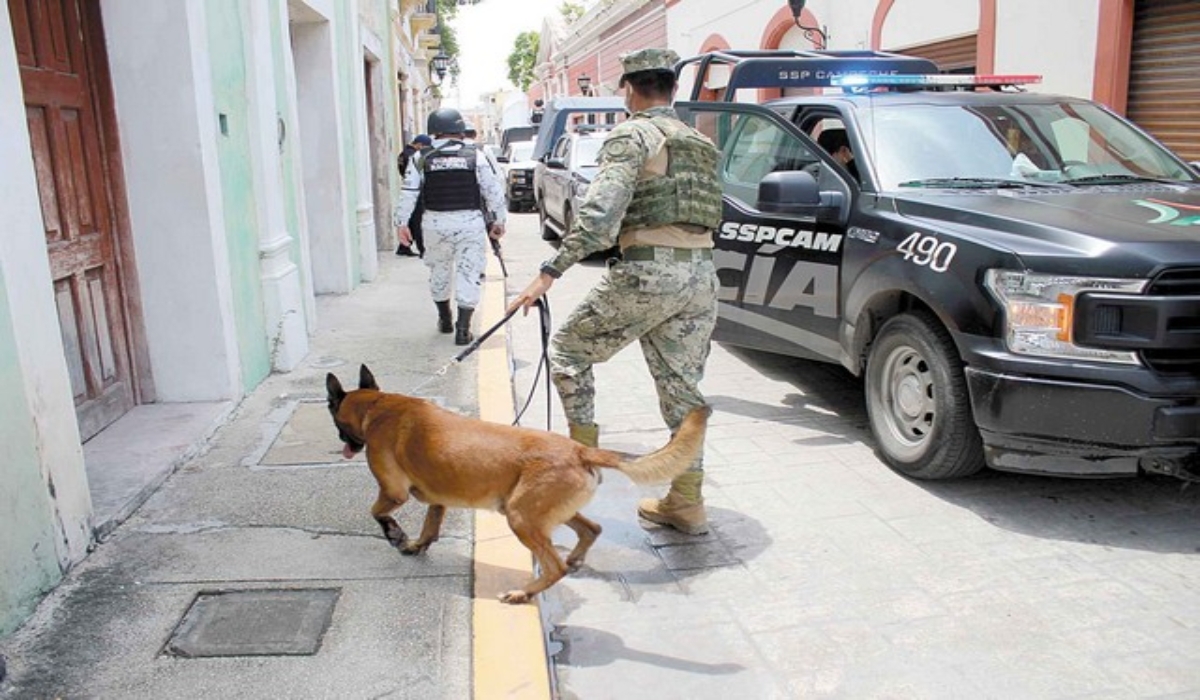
[347,451]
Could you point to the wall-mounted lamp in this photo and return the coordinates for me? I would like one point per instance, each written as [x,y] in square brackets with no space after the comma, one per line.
[440,64]
[585,84]
[797,8]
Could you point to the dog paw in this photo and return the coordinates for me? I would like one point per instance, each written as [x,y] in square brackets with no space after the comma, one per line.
[517,597]
[413,548]
[574,565]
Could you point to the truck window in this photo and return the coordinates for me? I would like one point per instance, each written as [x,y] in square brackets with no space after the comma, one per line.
[759,147]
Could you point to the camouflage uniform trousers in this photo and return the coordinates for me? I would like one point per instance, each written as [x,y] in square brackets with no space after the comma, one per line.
[456,254]
[669,307]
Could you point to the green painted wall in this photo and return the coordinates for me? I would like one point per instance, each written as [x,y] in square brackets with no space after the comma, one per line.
[227,36]
[28,563]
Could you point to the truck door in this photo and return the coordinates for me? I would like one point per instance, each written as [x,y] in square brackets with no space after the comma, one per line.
[779,272]
[558,180]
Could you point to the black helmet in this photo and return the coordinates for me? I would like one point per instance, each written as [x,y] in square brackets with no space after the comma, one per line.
[446,121]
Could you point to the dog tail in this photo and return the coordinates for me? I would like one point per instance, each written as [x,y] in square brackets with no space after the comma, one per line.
[675,457]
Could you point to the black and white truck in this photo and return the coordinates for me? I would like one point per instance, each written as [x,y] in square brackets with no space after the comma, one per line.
[1015,276]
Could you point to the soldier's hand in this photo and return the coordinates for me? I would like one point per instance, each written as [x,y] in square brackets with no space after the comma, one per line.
[497,231]
[405,234]
[539,286]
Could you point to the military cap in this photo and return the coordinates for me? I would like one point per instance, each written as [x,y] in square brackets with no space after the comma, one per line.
[648,60]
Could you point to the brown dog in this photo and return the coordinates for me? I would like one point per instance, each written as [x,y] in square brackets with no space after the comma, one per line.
[538,480]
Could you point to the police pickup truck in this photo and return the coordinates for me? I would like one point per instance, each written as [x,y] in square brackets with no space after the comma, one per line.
[1015,276]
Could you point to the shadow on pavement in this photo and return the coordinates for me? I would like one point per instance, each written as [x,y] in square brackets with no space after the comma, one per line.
[605,648]
[1147,513]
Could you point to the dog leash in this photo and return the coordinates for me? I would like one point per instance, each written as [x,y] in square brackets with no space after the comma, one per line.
[466,352]
[543,305]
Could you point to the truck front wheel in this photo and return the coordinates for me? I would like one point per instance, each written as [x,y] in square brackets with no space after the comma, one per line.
[918,403]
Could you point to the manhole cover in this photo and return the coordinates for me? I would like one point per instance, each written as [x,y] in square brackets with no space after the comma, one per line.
[267,622]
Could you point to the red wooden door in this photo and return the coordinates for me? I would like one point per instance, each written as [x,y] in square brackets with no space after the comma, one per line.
[76,199]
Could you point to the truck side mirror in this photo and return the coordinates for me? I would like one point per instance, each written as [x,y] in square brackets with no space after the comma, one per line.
[795,192]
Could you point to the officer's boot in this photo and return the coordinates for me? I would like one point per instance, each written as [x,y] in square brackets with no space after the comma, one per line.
[462,327]
[585,433]
[445,320]
[682,508]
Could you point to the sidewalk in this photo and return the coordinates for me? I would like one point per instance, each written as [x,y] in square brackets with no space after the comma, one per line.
[268,533]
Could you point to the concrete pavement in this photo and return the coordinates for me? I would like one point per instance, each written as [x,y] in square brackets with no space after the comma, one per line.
[828,575]
[236,552]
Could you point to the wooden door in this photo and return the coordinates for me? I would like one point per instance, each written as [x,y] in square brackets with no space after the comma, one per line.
[77,204]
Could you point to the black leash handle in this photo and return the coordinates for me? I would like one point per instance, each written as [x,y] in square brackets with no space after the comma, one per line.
[543,305]
[485,335]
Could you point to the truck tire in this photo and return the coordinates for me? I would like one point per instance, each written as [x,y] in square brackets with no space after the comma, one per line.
[917,401]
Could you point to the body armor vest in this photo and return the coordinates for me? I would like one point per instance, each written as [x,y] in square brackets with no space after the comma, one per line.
[689,193]
[450,181]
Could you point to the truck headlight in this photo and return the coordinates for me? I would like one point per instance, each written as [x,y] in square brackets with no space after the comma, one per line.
[1039,312]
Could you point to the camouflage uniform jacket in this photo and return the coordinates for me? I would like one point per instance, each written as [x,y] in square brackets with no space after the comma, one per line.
[622,159]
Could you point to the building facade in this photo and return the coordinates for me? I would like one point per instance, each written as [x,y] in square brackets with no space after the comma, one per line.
[182,179]
[1136,56]
[589,47]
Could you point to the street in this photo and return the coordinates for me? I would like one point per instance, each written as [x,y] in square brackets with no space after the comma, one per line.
[827,574]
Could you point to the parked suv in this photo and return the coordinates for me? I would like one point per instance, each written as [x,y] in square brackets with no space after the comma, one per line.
[1015,276]
[517,161]
[563,178]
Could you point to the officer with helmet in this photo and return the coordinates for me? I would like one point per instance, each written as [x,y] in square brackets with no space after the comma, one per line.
[457,186]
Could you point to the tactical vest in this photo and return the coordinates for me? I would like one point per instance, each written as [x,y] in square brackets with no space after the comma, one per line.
[689,193]
[450,182]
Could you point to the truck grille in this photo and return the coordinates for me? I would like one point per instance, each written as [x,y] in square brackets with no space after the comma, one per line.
[1179,282]
[1176,283]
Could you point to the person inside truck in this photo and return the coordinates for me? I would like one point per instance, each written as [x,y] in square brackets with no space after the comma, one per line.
[837,144]
[1028,161]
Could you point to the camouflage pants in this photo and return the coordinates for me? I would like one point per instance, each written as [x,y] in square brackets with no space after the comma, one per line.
[669,307]
[456,254]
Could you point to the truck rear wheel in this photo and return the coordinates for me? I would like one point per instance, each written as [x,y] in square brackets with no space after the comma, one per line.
[918,403]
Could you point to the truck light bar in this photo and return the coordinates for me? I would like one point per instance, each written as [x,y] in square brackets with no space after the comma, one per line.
[941,80]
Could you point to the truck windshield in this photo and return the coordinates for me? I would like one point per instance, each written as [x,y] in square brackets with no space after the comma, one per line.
[520,151]
[965,145]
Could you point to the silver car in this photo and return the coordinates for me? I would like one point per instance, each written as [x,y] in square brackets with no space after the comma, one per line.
[564,176]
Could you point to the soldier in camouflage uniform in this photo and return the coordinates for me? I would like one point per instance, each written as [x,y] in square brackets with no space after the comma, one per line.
[460,189]
[657,196]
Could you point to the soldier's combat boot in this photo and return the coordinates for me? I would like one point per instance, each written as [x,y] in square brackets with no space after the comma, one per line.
[585,434]
[682,508]
[462,327]
[445,320]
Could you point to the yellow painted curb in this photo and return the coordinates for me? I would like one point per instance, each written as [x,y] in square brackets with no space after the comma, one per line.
[509,650]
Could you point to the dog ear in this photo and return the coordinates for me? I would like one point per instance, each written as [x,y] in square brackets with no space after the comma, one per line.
[334,390]
[366,380]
